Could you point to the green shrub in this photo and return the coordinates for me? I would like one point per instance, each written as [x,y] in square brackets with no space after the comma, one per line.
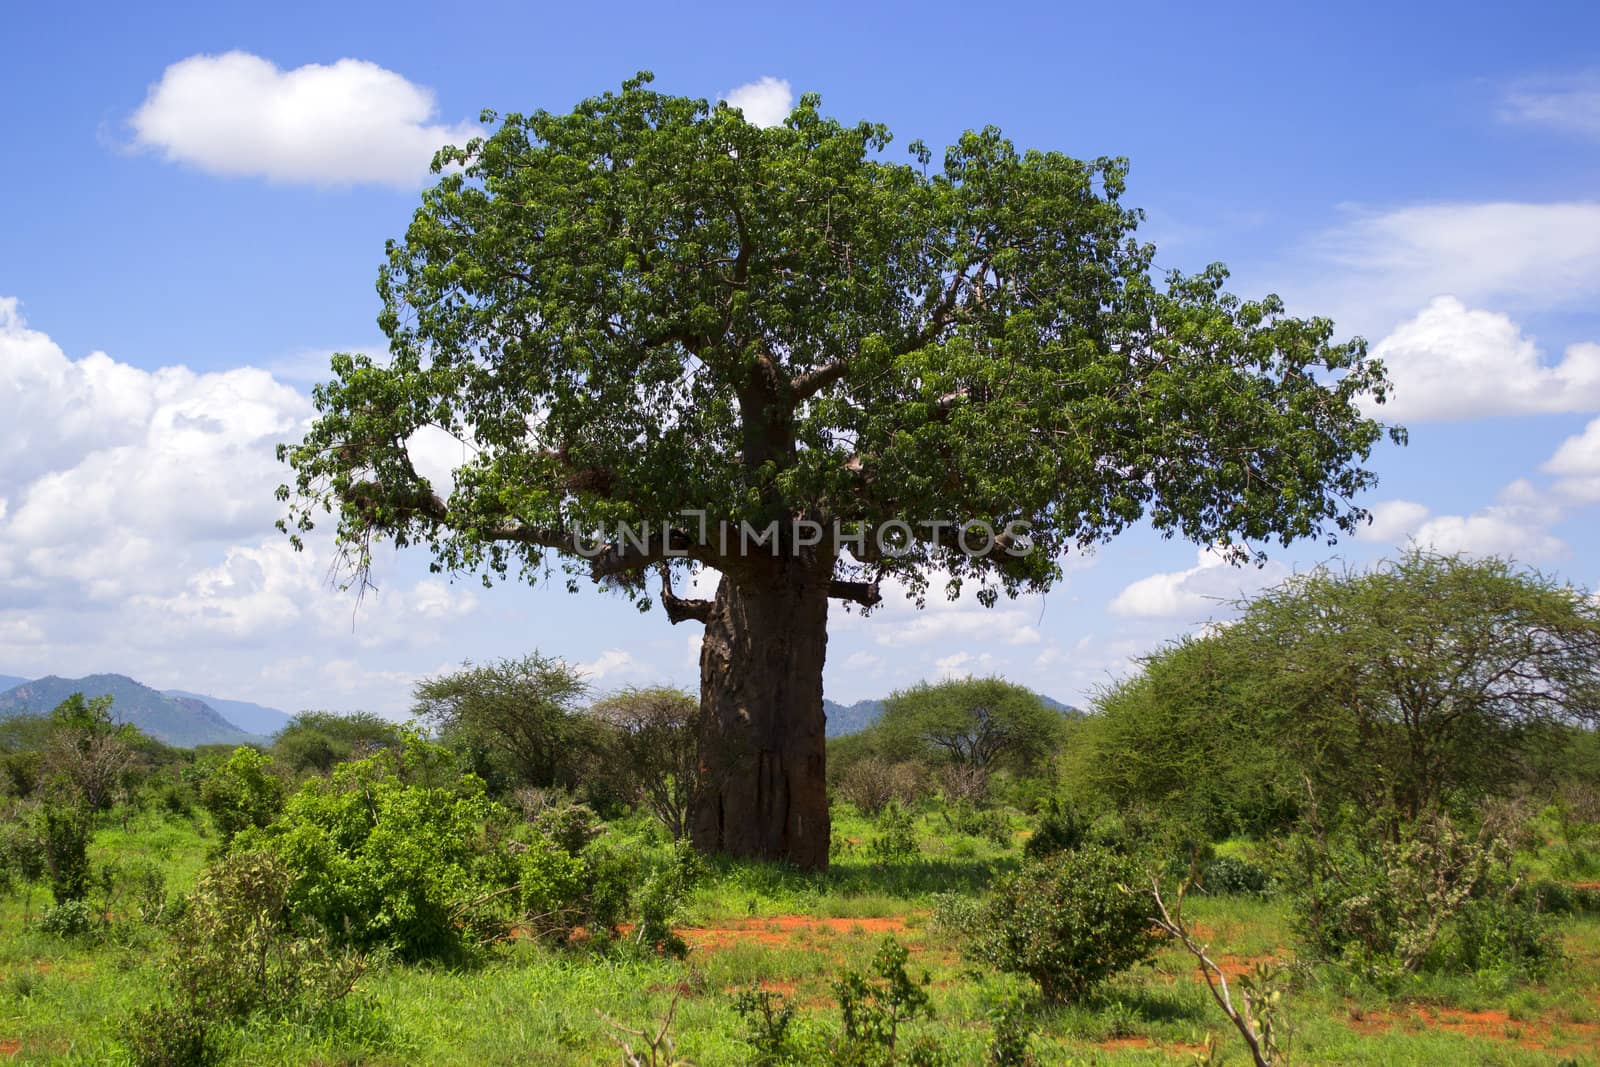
[874,1006]
[168,1036]
[1068,922]
[241,793]
[1430,899]
[22,853]
[73,919]
[1009,1047]
[559,892]
[956,913]
[896,839]
[381,861]
[990,824]
[147,887]
[767,1017]
[661,897]
[236,952]
[66,828]
[1061,829]
[1232,876]
[571,826]
[169,795]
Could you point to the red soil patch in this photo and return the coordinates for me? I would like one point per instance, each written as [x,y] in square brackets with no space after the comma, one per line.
[1233,967]
[10,1048]
[780,931]
[1487,1026]
[780,985]
[1115,1044]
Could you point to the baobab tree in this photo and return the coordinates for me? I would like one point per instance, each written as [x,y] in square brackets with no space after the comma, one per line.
[675,339]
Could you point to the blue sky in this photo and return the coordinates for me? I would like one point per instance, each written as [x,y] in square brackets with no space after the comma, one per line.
[187,194]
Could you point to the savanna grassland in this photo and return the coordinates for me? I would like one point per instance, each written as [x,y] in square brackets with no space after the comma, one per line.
[65,999]
[1360,825]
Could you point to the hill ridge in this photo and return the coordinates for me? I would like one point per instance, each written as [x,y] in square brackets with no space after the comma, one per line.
[174,720]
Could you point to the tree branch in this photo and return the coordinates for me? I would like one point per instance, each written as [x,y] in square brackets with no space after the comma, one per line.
[681,609]
[864,593]
[813,382]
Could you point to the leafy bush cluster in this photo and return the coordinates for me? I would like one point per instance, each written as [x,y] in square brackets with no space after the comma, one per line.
[876,1006]
[384,856]
[1394,898]
[1068,921]
[237,950]
[990,824]
[1233,876]
[896,838]
[242,792]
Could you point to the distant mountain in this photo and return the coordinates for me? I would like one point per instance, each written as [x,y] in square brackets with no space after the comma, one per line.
[1066,709]
[175,720]
[251,718]
[8,681]
[846,719]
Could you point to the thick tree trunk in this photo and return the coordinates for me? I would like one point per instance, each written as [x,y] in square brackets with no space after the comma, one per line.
[763,789]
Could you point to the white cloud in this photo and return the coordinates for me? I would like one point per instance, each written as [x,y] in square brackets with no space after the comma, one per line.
[136,531]
[1516,525]
[345,123]
[1494,531]
[1393,521]
[863,661]
[1577,463]
[963,665]
[1569,104]
[765,102]
[612,663]
[900,623]
[1379,266]
[435,454]
[1200,590]
[1453,362]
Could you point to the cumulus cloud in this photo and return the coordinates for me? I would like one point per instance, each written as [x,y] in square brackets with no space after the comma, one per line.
[1516,525]
[1492,532]
[345,123]
[1455,362]
[899,623]
[136,529]
[765,102]
[1393,521]
[1378,266]
[1196,591]
[1570,104]
[1577,465]
[435,454]
[963,665]
[612,664]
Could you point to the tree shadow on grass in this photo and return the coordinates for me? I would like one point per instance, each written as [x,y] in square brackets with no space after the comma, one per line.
[860,877]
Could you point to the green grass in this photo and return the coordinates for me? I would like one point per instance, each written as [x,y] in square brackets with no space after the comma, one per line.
[63,1002]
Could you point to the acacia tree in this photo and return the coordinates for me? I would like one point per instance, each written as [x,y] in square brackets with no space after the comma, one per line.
[653,733]
[651,312]
[523,709]
[1420,677]
[975,723]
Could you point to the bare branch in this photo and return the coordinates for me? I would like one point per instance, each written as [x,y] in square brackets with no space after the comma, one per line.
[682,609]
